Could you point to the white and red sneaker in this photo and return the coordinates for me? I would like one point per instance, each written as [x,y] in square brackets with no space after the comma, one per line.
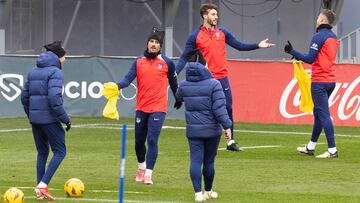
[140,175]
[43,193]
[210,194]
[148,180]
[327,155]
[199,197]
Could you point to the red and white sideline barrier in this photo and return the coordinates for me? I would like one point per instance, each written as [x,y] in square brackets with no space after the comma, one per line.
[266,92]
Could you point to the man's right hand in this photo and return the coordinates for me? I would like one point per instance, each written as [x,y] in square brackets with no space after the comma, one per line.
[227,134]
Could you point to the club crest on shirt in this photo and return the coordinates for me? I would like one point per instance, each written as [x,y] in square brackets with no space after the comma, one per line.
[217,34]
[159,66]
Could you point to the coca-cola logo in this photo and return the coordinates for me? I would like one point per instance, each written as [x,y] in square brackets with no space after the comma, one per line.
[346,95]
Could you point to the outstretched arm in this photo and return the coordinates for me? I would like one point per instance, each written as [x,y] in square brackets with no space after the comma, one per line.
[309,58]
[236,44]
[189,46]
[129,77]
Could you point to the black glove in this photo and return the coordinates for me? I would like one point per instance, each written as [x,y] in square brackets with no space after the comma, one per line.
[68,126]
[288,47]
[177,104]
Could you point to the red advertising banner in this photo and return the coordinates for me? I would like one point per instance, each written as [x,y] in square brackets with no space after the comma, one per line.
[267,92]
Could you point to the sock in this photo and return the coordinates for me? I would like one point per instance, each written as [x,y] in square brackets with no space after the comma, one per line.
[311,145]
[148,172]
[230,142]
[198,193]
[332,150]
[142,165]
[42,185]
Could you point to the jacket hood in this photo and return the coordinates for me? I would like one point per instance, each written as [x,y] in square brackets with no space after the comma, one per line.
[48,59]
[196,72]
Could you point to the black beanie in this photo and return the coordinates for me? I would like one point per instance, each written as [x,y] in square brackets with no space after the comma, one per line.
[157,35]
[196,56]
[56,48]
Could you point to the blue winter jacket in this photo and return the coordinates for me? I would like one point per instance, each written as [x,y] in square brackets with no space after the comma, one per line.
[205,104]
[41,95]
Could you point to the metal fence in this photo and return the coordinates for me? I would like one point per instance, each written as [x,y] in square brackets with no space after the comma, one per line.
[349,49]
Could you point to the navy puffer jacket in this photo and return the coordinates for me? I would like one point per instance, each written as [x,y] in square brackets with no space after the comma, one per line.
[41,96]
[205,104]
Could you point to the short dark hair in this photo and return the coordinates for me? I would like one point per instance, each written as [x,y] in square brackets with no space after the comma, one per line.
[330,15]
[205,7]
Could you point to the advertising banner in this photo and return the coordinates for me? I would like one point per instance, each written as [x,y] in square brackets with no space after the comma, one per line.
[83,77]
[263,91]
[267,92]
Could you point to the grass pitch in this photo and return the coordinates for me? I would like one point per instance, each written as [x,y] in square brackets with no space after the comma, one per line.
[274,173]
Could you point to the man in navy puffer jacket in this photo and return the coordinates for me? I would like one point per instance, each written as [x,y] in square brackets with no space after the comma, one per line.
[206,116]
[43,104]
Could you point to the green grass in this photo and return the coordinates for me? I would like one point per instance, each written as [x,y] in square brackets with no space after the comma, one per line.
[256,175]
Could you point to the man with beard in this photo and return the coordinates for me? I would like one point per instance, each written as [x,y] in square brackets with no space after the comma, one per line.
[153,72]
[211,40]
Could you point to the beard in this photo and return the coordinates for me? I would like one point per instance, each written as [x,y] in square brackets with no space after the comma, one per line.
[151,55]
[211,22]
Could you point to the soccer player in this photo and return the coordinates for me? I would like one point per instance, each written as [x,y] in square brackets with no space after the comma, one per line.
[43,105]
[211,40]
[206,116]
[153,72]
[322,56]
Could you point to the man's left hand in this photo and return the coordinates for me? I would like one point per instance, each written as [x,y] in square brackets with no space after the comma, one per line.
[68,126]
[288,47]
[266,44]
[178,105]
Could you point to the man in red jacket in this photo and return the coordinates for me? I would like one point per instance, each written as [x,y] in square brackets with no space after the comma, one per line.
[211,41]
[153,72]
[322,56]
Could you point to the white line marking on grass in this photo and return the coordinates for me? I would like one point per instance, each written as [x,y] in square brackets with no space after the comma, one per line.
[14,130]
[113,191]
[103,126]
[99,200]
[174,127]
[252,147]
[341,135]
[79,199]
[255,147]
[118,127]
[271,132]
[87,191]
[259,147]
